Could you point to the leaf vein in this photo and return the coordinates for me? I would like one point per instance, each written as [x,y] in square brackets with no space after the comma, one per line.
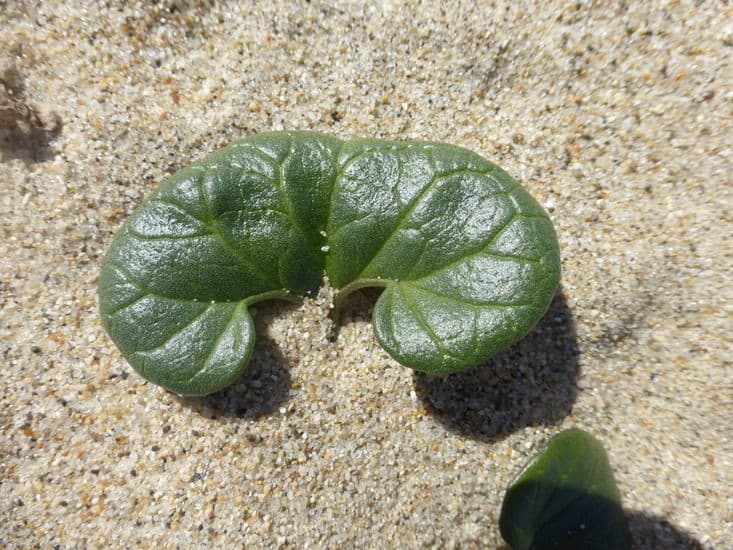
[178,331]
[482,252]
[285,195]
[126,305]
[411,206]
[153,238]
[423,323]
[213,224]
[466,301]
[211,350]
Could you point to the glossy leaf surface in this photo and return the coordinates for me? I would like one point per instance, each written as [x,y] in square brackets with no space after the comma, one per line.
[468,260]
[566,497]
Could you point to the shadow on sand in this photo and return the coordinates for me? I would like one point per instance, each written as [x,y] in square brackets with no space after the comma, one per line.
[532,383]
[24,134]
[649,531]
[261,390]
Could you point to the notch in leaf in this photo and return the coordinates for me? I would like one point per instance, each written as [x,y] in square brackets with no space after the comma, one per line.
[566,497]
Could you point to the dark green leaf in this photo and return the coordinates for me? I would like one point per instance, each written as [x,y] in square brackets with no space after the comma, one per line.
[566,498]
[469,261]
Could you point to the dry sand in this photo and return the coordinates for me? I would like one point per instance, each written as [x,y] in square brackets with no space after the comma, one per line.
[616,116]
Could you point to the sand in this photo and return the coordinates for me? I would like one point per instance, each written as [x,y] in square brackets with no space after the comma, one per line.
[616,116]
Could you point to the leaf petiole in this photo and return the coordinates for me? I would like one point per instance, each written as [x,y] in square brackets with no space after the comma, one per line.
[342,293]
[281,294]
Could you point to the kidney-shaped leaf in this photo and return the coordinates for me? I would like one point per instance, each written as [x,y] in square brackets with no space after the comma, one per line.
[566,497]
[469,261]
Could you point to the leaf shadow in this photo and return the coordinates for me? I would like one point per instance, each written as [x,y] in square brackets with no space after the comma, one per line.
[532,383]
[648,531]
[28,143]
[260,391]
[25,133]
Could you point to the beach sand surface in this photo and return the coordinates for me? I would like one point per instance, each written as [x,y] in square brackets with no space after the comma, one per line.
[616,116]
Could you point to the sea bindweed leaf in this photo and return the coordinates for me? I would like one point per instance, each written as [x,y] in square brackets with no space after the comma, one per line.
[566,497]
[469,262]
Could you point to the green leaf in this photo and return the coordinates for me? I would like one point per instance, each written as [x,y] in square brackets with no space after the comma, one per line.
[468,260]
[566,497]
